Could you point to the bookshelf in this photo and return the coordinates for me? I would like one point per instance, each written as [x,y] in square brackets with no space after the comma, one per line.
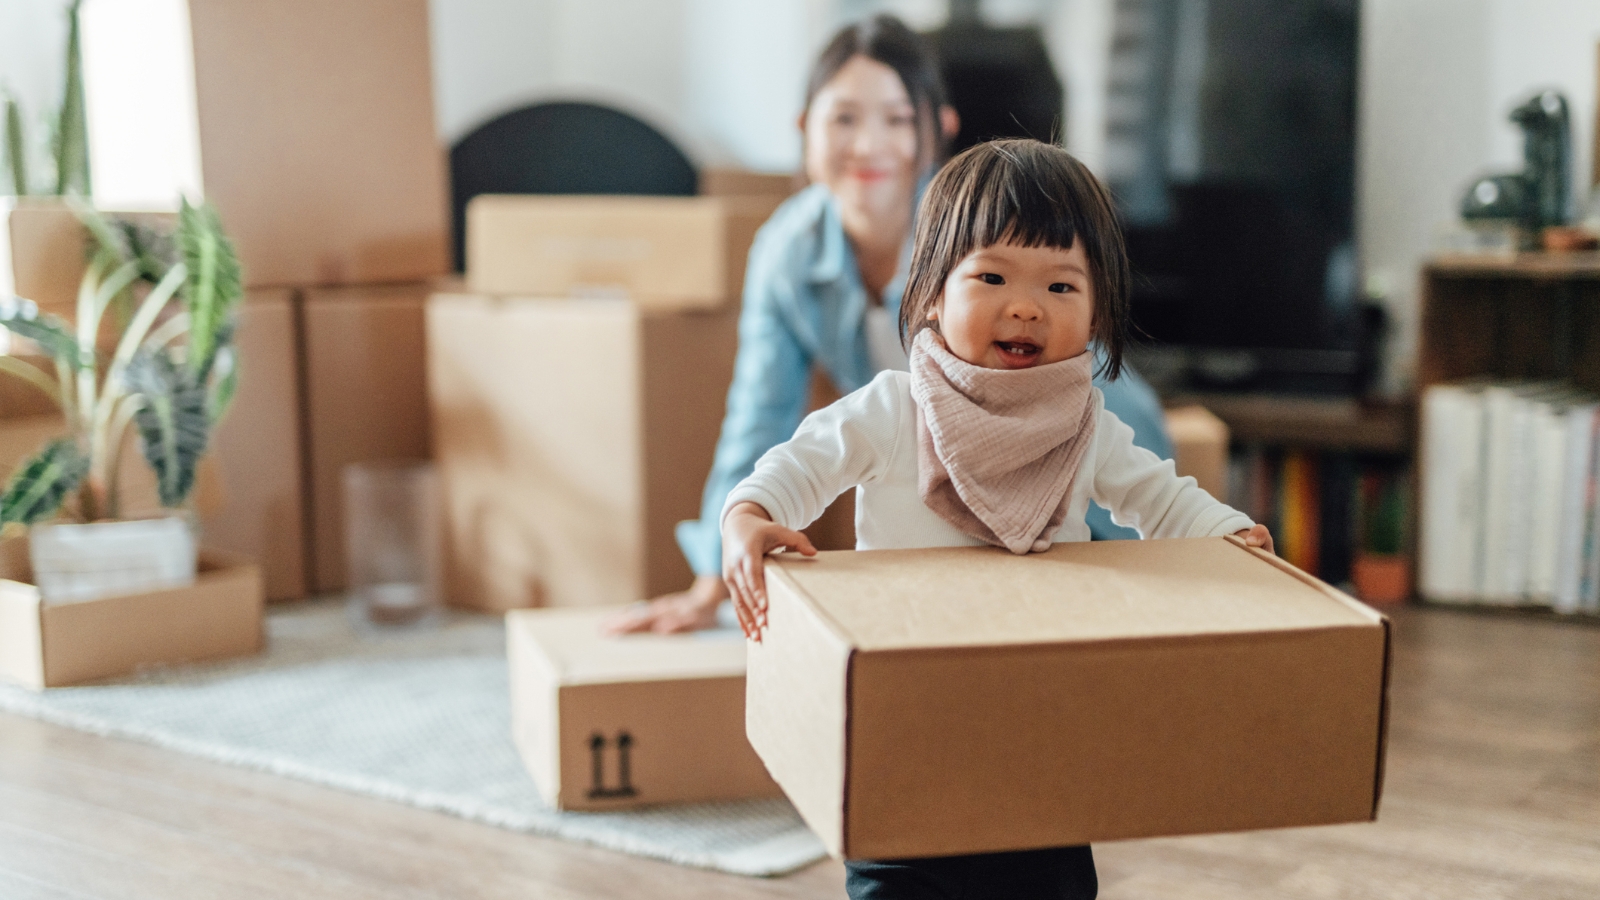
[1529,316]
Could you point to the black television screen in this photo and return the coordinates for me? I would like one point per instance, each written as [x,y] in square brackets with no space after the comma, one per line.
[1231,150]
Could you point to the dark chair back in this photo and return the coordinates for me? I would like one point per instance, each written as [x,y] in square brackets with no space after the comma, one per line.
[562,148]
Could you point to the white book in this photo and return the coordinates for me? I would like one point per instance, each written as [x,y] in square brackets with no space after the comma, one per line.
[1450,543]
[1578,427]
[1547,440]
[1508,482]
[1589,589]
[1502,476]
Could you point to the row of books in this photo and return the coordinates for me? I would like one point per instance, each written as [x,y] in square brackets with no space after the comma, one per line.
[1508,476]
[1324,509]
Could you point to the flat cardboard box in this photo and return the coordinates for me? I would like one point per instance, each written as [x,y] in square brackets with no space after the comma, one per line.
[965,700]
[571,436]
[50,645]
[309,124]
[665,253]
[717,181]
[256,450]
[365,400]
[616,722]
[1200,447]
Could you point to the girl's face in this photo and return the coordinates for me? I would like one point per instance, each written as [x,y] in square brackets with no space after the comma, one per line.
[1011,307]
[861,139]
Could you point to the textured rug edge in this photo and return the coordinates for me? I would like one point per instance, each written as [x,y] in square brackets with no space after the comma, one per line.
[775,856]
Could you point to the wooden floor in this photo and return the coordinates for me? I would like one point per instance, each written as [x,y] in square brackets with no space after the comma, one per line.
[1493,792]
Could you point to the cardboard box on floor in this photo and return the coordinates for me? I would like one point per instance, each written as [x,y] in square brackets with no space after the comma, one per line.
[366,400]
[1200,447]
[309,124]
[964,700]
[256,450]
[662,252]
[51,645]
[570,437]
[615,722]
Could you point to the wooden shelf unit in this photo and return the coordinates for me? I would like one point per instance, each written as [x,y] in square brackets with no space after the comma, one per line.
[1312,423]
[1528,316]
[1533,315]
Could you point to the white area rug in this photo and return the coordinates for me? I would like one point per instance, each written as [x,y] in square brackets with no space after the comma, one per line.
[417,717]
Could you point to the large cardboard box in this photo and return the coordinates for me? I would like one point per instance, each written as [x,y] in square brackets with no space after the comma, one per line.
[964,700]
[50,645]
[365,400]
[309,124]
[614,722]
[571,436]
[663,252]
[1200,447]
[256,450]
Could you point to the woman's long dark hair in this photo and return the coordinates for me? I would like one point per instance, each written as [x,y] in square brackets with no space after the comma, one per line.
[886,39]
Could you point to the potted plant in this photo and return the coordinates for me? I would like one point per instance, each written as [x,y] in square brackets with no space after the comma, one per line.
[150,354]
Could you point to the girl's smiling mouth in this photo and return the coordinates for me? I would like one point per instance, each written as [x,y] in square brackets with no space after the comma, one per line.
[1018,354]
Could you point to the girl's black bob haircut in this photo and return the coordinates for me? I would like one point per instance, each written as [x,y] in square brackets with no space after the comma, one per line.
[1030,194]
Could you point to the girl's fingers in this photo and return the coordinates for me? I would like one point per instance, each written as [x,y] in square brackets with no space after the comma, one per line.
[737,593]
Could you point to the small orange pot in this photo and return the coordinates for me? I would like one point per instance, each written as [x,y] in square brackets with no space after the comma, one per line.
[1381,579]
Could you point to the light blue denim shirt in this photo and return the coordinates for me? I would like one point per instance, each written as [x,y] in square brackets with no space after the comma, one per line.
[804,306]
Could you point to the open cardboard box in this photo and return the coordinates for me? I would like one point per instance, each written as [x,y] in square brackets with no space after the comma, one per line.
[50,645]
[616,722]
[964,700]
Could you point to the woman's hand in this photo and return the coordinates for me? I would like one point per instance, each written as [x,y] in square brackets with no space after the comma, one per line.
[748,535]
[691,610]
[1257,536]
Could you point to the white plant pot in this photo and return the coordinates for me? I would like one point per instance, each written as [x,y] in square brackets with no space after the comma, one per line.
[74,563]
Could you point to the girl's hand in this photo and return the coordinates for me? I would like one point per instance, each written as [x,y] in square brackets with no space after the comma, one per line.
[1257,536]
[748,535]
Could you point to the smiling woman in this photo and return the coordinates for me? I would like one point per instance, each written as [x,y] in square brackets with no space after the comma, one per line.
[826,275]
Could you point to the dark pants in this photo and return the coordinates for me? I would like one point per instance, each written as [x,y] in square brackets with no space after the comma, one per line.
[1060,873]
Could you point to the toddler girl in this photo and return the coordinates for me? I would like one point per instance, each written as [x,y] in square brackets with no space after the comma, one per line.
[995,436]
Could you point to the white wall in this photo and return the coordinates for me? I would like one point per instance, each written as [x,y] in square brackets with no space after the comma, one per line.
[1438,77]
[722,78]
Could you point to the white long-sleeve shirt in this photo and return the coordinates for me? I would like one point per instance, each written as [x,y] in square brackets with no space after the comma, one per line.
[868,441]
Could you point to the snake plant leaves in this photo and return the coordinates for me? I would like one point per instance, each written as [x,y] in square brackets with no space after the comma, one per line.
[16,149]
[172,419]
[214,283]
[72,129]
[23,319]
[38,487]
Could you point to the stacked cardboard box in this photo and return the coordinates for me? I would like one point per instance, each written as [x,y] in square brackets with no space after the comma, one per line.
[578,390]
[365,400]
[310,126]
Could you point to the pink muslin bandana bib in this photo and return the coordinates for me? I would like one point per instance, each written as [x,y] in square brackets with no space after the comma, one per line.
[998,449]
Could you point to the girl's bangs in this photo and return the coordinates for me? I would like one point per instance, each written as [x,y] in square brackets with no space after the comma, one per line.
[1018,207]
